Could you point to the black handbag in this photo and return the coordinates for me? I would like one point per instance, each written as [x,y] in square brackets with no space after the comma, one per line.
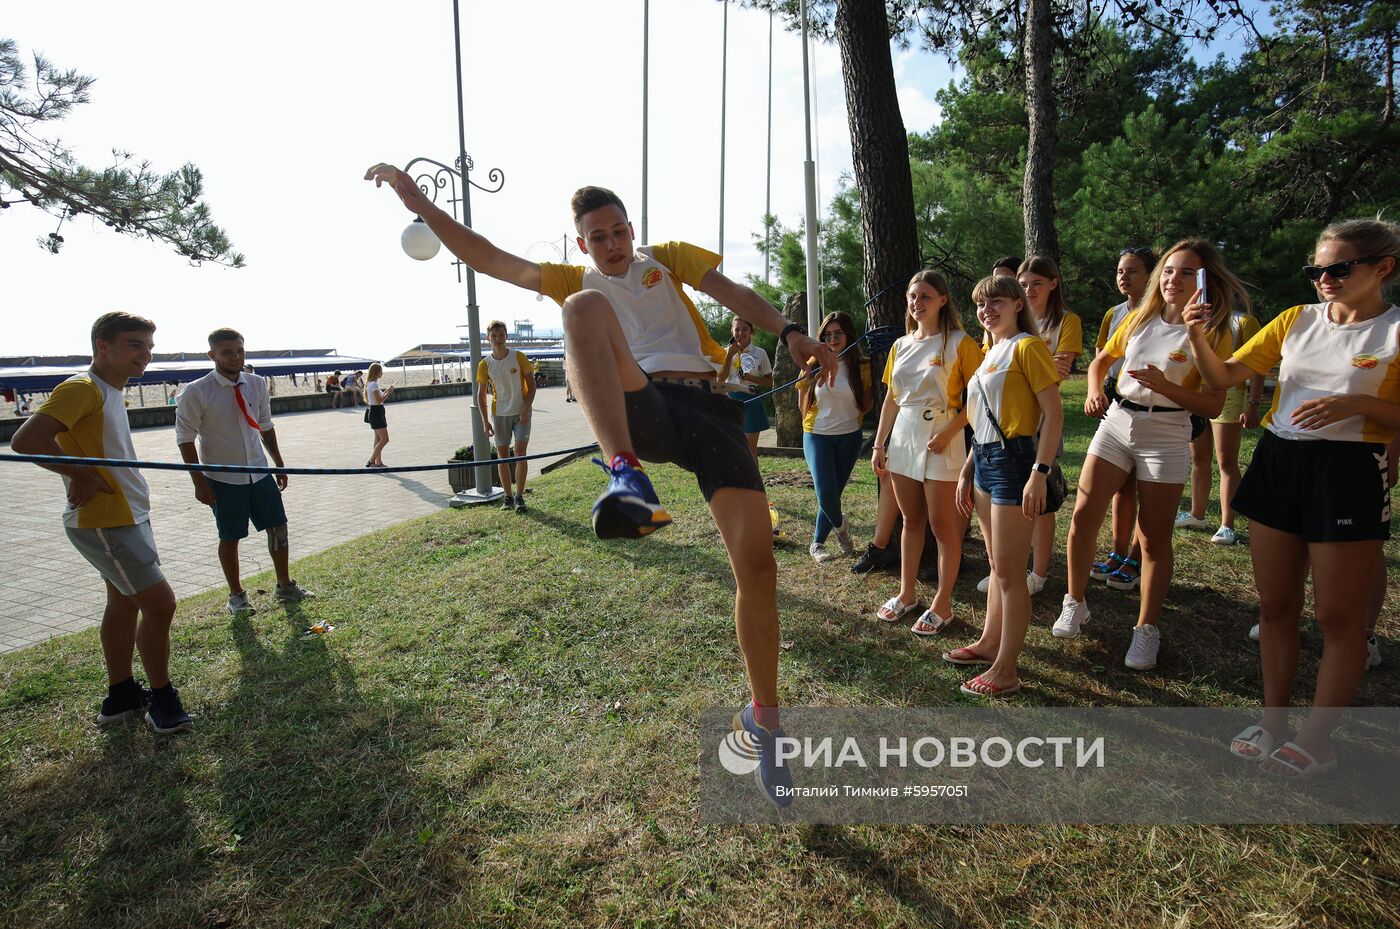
[1056,487]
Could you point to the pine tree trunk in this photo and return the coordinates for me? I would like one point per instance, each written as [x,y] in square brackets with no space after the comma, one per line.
[789,418]
[880,152]
[1038,186]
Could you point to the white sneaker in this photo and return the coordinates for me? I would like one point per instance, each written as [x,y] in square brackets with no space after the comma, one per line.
[985,584]
[1373,653]
[239,603]
[1035,583]
[1254,633]
[1073,614]
[843,537]
[1184,520]
[1142,654]
[819,552]
[1223,536]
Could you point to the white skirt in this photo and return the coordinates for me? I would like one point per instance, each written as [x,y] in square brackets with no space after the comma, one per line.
[906,450]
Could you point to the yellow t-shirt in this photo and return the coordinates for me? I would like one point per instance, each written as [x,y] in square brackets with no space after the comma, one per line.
[1067,337]
[1161,344]
[509,379]
[1011,374]
[93,413]
[662,327]
[1320,358]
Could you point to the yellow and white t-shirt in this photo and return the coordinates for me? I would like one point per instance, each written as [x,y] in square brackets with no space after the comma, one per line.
[932,373]
[1067,337]
[1163,345]
[834,410]
[662,326]
[507,377]
[1112,321]
[1011,374]
[94,415]
[1320,358]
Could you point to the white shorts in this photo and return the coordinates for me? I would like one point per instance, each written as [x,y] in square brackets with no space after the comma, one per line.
[906,450]
[1156,447]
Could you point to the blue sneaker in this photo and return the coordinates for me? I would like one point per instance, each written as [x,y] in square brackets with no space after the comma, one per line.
[629,508]
[126,699]
[769,774]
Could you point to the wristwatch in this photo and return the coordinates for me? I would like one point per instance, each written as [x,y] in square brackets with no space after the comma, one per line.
[1042,468]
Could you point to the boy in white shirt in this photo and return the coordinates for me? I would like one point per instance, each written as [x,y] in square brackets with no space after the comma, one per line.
[230,411]
[512,381]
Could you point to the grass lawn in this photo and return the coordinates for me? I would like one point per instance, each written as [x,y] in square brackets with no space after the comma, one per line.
[502,731]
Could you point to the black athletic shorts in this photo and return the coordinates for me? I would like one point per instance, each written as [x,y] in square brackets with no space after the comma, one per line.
[701,431]
[1323,491]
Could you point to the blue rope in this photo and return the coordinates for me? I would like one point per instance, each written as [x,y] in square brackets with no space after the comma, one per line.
[257,469]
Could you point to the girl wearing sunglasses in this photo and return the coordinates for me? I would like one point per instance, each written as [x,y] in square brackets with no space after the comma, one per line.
[1145,433]
[831,417]
[920,441]
[1316,489]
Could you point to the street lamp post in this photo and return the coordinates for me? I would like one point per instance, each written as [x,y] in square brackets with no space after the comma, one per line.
[430,182]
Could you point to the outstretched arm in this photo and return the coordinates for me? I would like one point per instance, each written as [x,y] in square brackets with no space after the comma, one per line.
[476,250]
[747,304]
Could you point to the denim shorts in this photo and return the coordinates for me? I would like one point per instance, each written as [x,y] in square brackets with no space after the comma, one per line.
[1002,470]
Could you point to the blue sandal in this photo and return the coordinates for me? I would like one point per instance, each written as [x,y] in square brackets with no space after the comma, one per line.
[1127,576]
[1102,569]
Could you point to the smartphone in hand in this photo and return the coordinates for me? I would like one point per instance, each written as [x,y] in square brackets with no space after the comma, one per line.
[1201,285]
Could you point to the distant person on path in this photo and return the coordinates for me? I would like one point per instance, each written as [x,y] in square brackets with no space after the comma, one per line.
[508,373]
[643,366]
[230,412]
[108,517]
[374,414]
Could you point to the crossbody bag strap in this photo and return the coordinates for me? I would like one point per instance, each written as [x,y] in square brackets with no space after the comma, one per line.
[990,415]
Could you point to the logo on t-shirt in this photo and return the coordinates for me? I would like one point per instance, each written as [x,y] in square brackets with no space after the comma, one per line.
[992,369]
[651,278]
[936,361]
[1177,357]
[1365,361]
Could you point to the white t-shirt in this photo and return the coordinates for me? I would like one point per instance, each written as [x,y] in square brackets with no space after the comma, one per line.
[837,411]
[370,388]
[208,410]
[505,374]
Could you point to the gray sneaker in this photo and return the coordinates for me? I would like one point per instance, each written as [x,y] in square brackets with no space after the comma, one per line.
[519,503]
[293,593]
[239,603]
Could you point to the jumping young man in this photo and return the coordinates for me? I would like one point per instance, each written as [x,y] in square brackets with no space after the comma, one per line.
[230,411]
[643,366]
[108,517]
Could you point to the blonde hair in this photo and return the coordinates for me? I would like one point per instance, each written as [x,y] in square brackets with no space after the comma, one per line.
[1371,238]
[1003,285]
[948,316]
[1227,294]
[373,373]
[1055,306]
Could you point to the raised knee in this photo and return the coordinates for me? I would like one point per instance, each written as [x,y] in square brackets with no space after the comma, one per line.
[581,310]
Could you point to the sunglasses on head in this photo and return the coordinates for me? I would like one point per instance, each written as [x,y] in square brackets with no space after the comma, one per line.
[1143,253]
[1339,270]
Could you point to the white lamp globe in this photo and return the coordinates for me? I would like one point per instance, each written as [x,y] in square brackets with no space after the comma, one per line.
[419,241]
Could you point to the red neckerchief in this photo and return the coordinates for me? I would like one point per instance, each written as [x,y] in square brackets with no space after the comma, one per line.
[243,408]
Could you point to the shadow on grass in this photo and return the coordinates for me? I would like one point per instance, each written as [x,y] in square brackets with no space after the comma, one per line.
[867,864]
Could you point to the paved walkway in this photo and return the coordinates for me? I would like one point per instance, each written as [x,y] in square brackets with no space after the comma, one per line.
[47,589]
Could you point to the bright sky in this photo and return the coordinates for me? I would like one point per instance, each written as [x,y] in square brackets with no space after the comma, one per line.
[283,106]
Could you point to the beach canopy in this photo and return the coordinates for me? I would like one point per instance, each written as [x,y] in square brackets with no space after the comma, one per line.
[41,372]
